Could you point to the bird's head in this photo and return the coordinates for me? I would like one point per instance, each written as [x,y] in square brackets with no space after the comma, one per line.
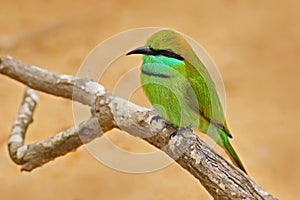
[166,43]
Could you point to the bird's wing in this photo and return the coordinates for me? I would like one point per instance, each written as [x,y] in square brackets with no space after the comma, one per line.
[203,97]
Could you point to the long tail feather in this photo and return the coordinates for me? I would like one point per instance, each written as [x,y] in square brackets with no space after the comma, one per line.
[231,152]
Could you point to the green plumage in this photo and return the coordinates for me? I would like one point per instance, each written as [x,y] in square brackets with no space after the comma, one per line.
[180,88]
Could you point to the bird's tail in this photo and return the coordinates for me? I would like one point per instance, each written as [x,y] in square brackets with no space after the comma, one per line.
[231,152]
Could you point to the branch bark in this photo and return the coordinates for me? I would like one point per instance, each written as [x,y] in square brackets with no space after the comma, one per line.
[221,179]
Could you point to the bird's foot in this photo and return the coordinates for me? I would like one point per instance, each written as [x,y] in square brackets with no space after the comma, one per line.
[156,118]
[189,127]
[173,133]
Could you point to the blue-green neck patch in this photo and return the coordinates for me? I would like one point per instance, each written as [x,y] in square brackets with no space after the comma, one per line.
[162,65]
[172,62]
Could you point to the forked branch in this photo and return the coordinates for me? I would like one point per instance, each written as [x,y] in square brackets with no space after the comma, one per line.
[219,177]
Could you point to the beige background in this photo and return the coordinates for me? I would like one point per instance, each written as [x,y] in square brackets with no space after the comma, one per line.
[255,44]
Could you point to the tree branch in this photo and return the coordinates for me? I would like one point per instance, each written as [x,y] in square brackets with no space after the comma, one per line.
[219,177]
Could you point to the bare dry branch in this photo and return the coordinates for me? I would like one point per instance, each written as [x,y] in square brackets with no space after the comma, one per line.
[19,128]
[220,178]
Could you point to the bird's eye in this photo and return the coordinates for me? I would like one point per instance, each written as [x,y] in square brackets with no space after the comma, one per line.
[168,52]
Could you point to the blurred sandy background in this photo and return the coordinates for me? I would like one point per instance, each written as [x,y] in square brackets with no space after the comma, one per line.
[255,44]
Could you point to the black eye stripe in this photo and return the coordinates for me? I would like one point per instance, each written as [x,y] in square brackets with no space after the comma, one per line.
[167,53]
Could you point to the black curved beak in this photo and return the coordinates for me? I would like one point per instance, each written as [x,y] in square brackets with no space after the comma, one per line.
[146,50]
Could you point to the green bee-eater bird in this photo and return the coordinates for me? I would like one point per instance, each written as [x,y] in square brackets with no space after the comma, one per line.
[180,88]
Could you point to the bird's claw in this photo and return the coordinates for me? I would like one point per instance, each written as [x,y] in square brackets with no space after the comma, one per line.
[189,127]
[156,117]
[173,133]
